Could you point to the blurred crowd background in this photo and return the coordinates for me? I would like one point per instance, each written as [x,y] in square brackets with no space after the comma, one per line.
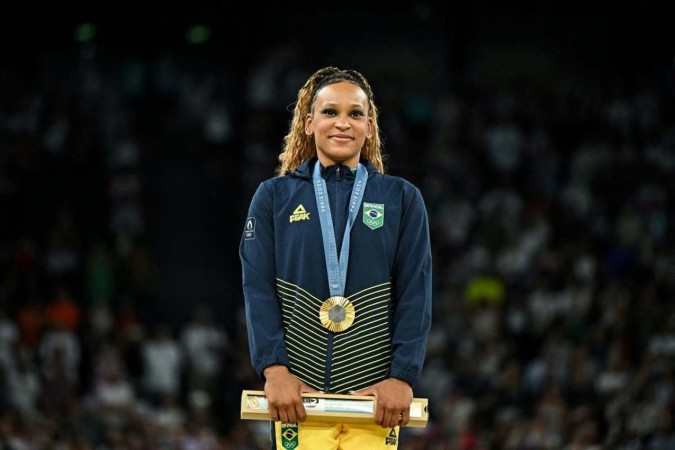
[543,143]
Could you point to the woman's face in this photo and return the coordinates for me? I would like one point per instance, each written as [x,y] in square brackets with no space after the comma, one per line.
[340,124]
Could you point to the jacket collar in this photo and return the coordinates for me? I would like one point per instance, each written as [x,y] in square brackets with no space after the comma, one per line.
[305,169]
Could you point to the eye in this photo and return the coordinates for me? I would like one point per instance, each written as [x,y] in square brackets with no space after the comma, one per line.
[357,113]
[328,112]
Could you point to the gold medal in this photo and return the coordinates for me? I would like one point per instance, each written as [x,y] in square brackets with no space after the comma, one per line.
[337,314]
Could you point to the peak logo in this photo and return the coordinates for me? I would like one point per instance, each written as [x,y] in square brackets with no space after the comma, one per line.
[299,214]
[392,439]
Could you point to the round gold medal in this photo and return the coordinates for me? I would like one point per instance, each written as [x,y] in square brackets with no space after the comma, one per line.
[337,314]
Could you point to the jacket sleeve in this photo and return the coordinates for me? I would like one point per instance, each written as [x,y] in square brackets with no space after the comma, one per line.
[263,314]
[412,290]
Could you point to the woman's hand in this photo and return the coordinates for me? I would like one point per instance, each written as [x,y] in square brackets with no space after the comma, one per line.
[283,390]
[393,398]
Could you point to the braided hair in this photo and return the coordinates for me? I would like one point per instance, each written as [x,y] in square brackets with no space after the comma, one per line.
[298,146]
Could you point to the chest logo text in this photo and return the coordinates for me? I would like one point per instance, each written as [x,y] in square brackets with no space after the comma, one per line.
[299,214]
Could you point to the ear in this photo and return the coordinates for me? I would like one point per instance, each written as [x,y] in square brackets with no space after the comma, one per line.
[309,129]
[369,131]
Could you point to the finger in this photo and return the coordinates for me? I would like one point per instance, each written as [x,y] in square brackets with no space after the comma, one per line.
[405,418]
[292,415]
[391,420]
[366,392]
[379,416]
[274,414]
[284,416]
[395,419]
[300,412]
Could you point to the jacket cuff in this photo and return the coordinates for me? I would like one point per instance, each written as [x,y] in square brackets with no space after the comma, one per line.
[262,364]
[409,376]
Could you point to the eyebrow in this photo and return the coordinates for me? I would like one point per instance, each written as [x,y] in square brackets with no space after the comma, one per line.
[353,105]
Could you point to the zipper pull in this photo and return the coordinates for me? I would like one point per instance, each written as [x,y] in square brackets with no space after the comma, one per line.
[337,173]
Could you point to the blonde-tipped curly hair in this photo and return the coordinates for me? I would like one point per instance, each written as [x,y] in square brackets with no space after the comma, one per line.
[298,146]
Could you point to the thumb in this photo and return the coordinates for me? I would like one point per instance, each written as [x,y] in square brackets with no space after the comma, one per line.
[309,389]
[366,391]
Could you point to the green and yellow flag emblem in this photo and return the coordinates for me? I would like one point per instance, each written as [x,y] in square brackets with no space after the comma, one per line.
[373,215]
[289,435]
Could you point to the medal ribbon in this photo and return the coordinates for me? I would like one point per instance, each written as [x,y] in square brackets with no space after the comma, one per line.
[337,268]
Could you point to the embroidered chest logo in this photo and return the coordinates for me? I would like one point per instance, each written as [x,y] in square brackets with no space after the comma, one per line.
[299,214]
[373,215]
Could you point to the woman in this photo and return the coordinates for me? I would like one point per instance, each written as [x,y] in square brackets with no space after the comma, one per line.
[336,265]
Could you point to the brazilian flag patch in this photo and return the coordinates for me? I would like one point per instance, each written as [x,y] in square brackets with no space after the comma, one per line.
[373,215]
[289,435]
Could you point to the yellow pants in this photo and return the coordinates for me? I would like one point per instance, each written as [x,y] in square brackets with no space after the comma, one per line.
[334,436]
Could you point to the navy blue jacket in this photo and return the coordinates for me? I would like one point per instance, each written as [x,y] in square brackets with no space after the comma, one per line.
[388,281]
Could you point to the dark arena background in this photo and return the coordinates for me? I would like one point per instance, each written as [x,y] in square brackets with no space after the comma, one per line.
[541,135]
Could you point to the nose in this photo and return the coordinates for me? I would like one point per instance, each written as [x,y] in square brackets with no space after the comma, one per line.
[342,121]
